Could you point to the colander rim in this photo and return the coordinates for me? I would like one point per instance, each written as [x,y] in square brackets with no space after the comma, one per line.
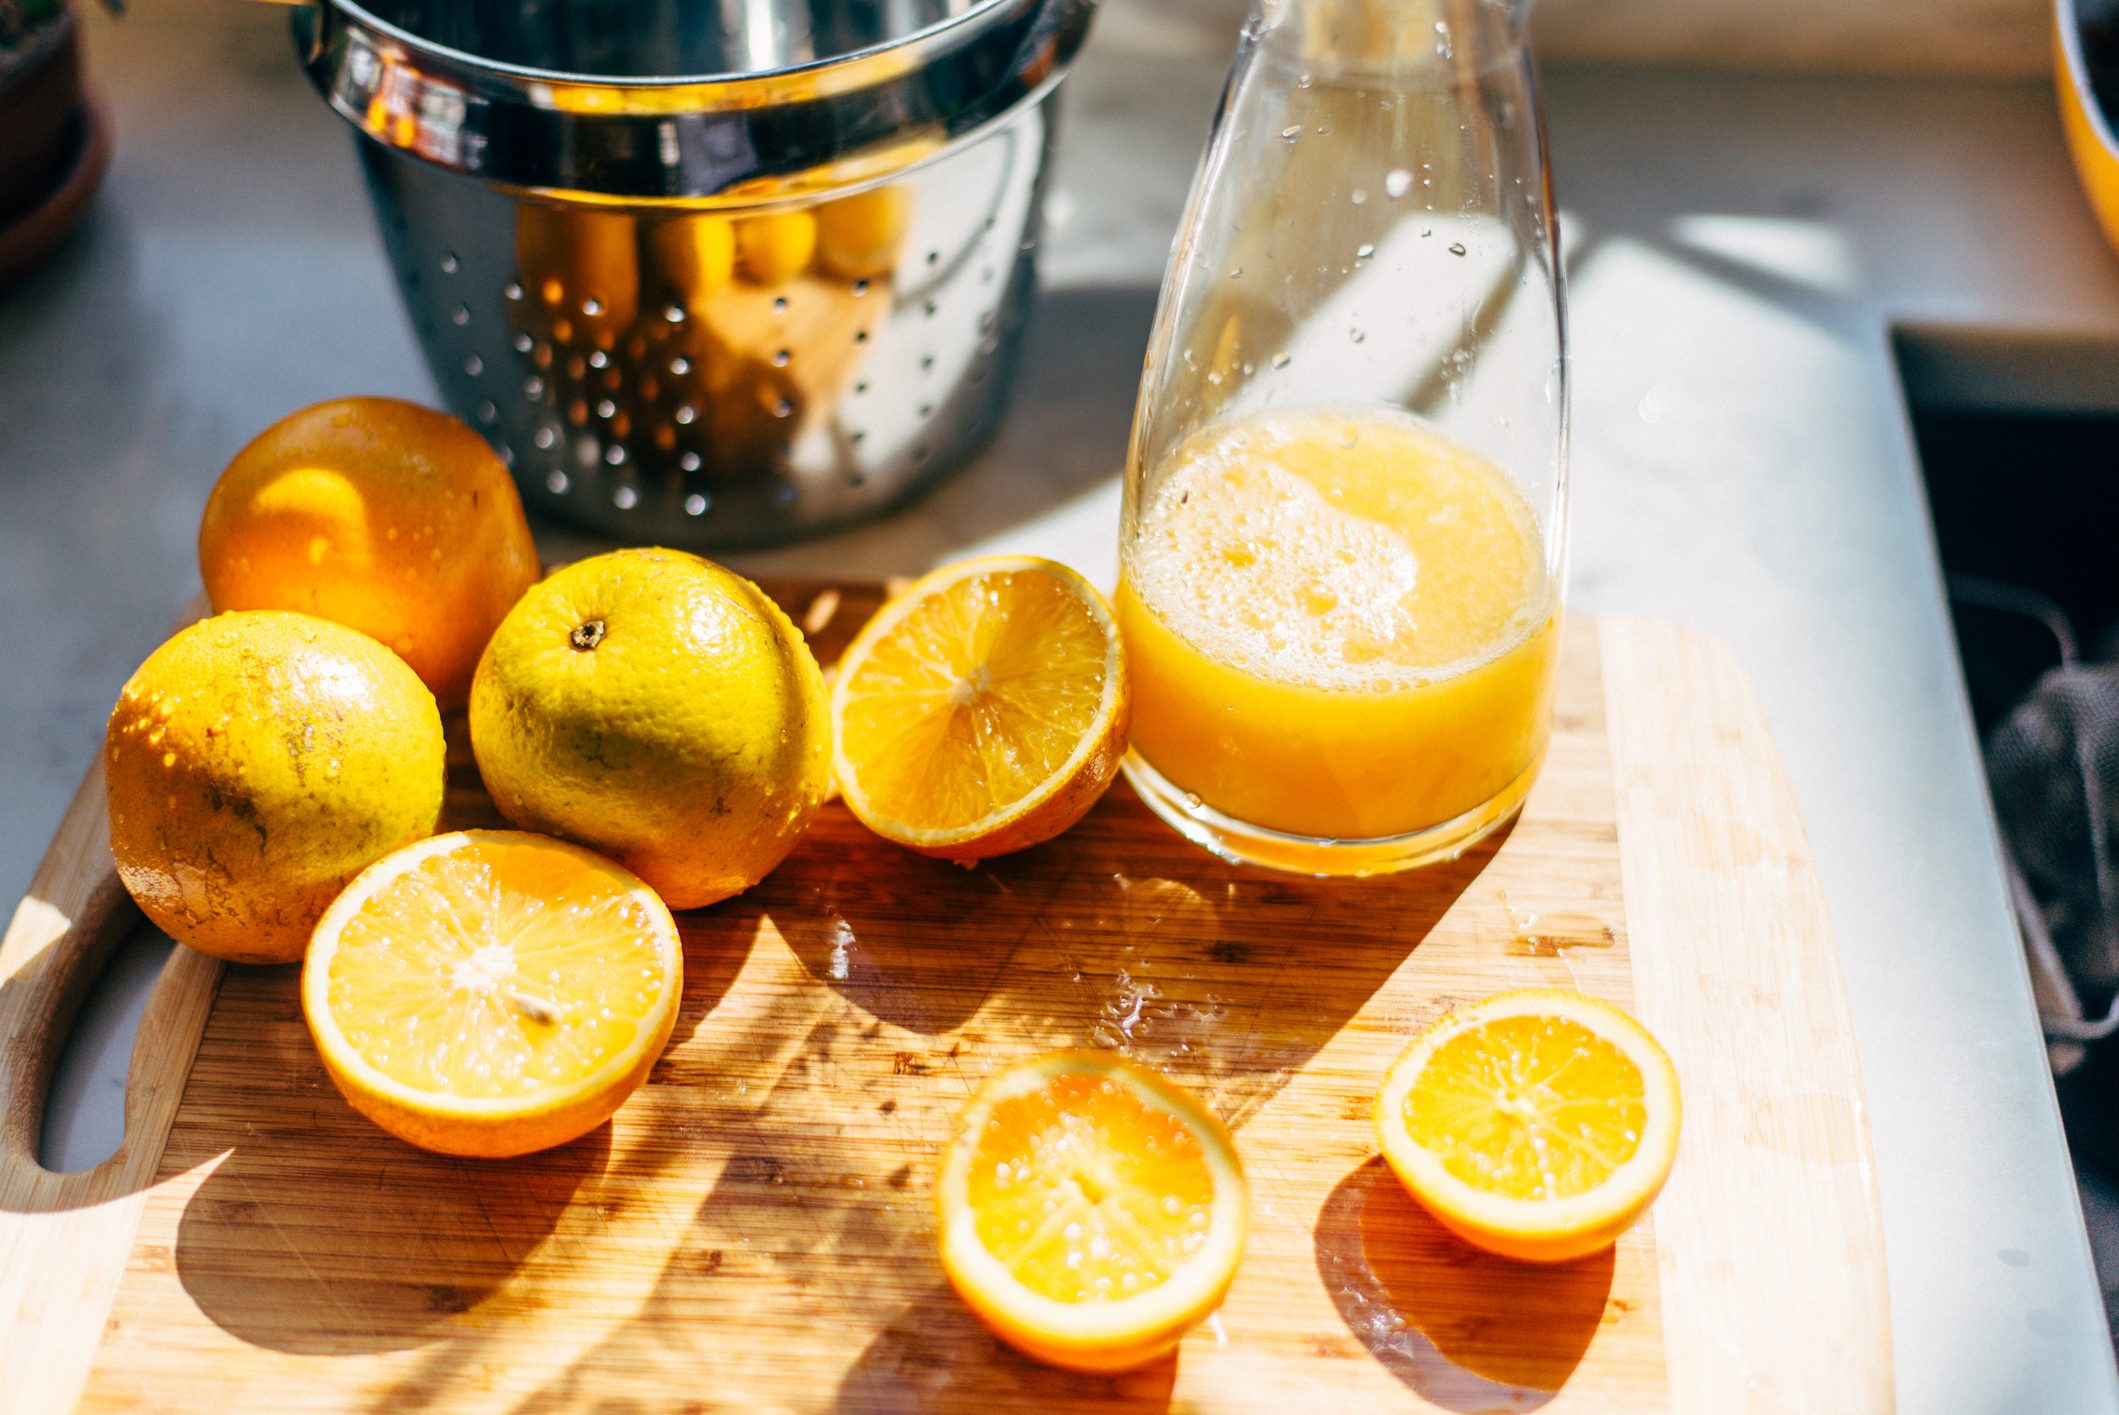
[924,37]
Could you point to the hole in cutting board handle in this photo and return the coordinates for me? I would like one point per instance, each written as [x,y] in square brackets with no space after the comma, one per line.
[84,1105]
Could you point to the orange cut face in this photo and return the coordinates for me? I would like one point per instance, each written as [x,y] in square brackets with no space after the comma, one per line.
[1087,1194]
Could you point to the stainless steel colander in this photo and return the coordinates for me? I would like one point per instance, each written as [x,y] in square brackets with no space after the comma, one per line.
[716,274]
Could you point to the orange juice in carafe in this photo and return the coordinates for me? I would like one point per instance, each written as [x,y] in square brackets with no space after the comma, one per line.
[1340,628]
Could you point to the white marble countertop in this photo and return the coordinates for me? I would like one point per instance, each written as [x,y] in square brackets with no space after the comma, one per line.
[1741,252]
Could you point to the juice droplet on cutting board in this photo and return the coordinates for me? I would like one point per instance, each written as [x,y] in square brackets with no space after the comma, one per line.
[1551,933]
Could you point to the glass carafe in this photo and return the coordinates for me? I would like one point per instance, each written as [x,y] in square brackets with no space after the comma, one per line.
[1344,533]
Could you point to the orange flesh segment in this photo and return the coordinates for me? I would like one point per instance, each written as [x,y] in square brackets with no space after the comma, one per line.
[975,700]
[1528,1107]
[496,970]
[1086,1193]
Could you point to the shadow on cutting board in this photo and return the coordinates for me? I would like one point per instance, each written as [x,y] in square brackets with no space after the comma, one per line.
[817,1110]
[370,1247]
[1425,1304]
[759,1217]
[911,1364]
[453,1231]
[1124,935]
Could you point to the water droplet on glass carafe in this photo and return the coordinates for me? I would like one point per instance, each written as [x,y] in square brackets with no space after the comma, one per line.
[1397,182]
[1364,251]
[1283,359]
[1291,132]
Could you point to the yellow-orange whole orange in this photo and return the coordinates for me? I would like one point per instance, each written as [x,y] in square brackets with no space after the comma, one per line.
[660,710]
[776,247]
[381,515]
[858,236]
[253,765]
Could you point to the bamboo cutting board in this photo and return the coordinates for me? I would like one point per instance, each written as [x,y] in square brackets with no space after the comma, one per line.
[753,1230]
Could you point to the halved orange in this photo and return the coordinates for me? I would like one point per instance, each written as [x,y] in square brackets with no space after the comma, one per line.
[1090,1210]
[983,710]
[1536,1124]
[492,992]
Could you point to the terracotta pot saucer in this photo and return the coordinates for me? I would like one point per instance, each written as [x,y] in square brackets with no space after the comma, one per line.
[35,232]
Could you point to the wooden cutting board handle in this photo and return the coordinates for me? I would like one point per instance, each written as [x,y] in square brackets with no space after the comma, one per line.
[63,1237]
[73,917]
[62,934]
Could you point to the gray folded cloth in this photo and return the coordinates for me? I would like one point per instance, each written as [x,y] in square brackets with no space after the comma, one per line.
[2053,770]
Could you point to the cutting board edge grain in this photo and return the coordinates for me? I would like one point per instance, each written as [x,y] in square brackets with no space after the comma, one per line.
[1705,834]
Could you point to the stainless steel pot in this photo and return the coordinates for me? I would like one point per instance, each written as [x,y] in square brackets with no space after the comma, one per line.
[709,274]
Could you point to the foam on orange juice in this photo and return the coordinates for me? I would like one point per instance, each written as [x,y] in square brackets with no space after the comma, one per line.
[1338,625]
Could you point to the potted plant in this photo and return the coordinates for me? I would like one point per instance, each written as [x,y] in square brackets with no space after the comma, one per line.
[56,141]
